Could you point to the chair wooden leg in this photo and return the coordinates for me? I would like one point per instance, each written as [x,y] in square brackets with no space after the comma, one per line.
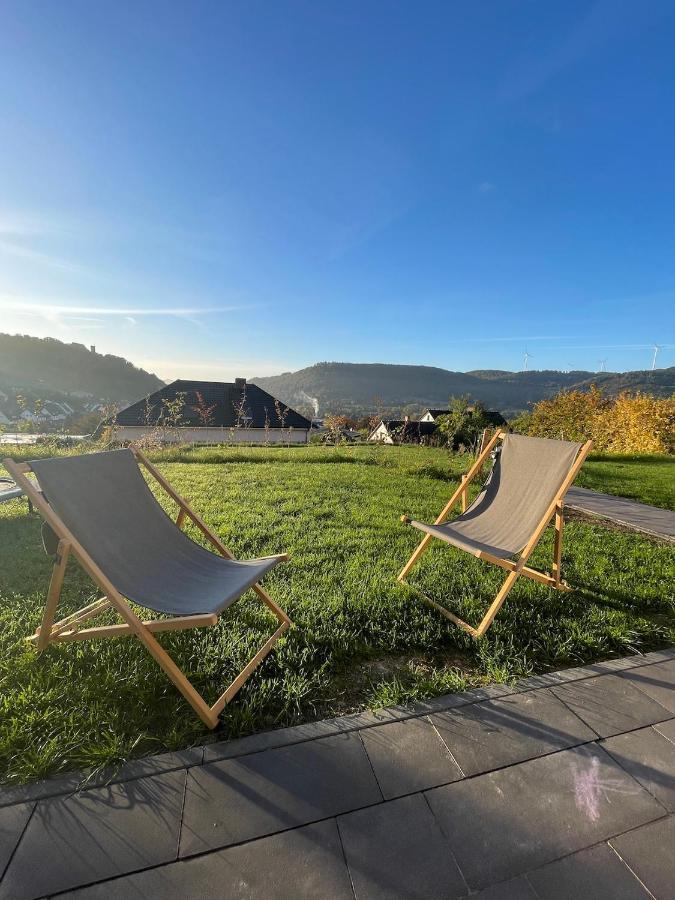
[497,603]
[54,593]
[557,549]
[422,546]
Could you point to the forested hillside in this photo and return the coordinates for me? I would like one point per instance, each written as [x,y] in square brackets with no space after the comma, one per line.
[364,387]
[45,364]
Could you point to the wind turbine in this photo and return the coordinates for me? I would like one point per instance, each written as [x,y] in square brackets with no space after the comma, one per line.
[603,365]
[527,357]
[656,349]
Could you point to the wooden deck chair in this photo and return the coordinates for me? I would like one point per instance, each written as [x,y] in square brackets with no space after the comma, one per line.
[524,491]
[99,509]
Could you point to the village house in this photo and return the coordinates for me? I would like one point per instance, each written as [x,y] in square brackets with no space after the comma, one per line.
[494,418]
[212,412]
[402,431]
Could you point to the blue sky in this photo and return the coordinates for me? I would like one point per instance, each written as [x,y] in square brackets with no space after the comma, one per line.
[243,188]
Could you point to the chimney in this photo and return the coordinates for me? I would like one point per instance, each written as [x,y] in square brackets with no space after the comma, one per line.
[93,348]
[240,382]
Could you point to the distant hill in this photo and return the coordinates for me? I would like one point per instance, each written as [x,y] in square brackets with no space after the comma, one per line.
[48,366]
[358,388]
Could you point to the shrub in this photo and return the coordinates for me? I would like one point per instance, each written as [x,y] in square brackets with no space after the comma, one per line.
[630,423]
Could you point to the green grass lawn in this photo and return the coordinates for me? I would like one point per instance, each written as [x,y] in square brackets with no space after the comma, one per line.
[647,479]
[360,639]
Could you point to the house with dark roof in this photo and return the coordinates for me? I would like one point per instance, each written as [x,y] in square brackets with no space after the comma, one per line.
[212,412]
[402,431]
[493,417]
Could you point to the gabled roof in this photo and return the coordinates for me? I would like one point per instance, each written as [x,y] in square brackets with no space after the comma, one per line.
[492,415]
[409,428]
[238,404]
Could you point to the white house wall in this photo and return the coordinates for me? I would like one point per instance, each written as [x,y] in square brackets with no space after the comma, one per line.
[381,435]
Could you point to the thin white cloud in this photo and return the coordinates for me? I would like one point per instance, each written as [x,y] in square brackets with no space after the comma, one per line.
[9,248]
[486,187]
[61,310]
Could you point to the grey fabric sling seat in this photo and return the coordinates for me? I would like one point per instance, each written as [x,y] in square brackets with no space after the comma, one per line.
[523,493]
[104,501]
[525,477]
[98,508]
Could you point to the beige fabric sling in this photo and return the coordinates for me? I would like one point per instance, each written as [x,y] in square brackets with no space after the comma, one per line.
[523,494]
[526,476]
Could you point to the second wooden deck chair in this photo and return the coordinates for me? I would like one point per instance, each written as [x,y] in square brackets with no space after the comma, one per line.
[99,509]
[524,492]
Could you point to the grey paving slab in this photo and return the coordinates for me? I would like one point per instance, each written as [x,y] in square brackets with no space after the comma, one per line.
[73,782]
[657,681]
[502,824]
[396,849]
[640,516]
[240,799]
[610,704]
[304,863]
[502,732]
[650,758]
[667,729]
[296,734]
[38,790]
[661,655]
[596,873]
[95,835]
[13,820]
[649,853]
[513,889]
[409,756]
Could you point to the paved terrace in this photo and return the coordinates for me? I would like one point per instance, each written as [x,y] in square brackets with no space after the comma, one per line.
[562,785]
[638,516]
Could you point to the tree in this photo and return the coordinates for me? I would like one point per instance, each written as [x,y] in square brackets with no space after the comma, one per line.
[335,424]
[464,424]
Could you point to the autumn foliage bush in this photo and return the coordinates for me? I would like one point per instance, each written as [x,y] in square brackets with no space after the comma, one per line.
[629,423]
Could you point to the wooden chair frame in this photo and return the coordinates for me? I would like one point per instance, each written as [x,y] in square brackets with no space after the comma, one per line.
[68,629]
[554,512]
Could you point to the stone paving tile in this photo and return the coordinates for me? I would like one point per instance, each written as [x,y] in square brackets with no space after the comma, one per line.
[502,732]
[303,863]
[610,704]
[514,889]
[296,734]
[657,681]
[667,729]
[12,823]
[649,853]
[396,849]
[73,782]
[596,873]
[504,823]
[650,758]
[641,516]
[409,756]
[240,799]
[95,835]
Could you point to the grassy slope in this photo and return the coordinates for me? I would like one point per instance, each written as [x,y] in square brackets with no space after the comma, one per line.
[360,639]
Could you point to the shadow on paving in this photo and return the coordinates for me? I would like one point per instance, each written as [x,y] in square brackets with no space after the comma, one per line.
[540,788]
